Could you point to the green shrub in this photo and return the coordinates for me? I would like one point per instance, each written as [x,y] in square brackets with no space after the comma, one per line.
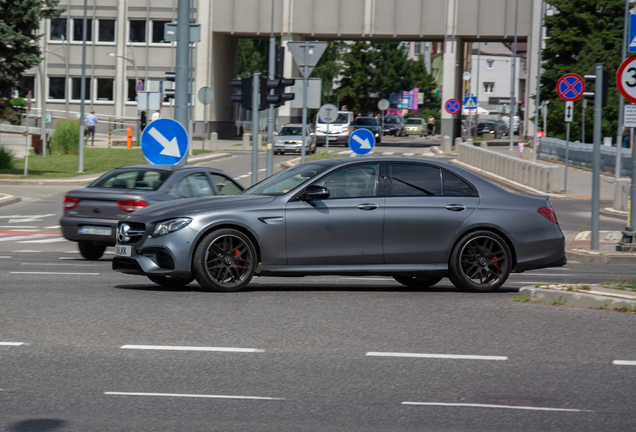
[18,102]
[6,158]
[65,138]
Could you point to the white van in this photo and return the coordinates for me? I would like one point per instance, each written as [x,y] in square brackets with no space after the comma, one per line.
[339,130]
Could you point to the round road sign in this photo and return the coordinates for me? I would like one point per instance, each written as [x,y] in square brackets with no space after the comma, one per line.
[570,87]
[205,95]
[328,113]
[383,104]
[452,106]
[626,79]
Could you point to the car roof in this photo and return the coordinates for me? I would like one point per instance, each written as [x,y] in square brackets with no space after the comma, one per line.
[177,167]
[294,125]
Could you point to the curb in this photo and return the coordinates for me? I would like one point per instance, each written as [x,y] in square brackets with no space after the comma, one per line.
[595,257]
[576,299]
[6,199]
[619,214]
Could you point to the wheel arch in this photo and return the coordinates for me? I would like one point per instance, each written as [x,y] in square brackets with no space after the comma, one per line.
[242,229]
[494,230]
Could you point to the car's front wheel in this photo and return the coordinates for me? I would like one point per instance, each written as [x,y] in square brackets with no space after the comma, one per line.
[224,261]
[417,282]
[481,261]
[169,281]
[91,251]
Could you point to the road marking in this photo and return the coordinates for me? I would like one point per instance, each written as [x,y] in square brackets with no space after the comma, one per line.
[27,251]
[473,405]
[2,239]
[408,154]
[345,152]
[52,227]
[59,264]
[438,356]
[18,226]
[369,278]
[191,395]
[262,169]
[57,273]
[388,153]
[11,343]
[53,240]
[624,362]
[191,348]
[6,256]
[526,282]
[544,274]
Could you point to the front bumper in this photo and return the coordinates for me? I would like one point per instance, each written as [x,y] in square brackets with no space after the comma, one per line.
[70,228]
[333,139]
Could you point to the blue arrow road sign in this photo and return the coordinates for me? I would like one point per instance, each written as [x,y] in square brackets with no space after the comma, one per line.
[164,142]
[470,101]
[361,141]
[632,33]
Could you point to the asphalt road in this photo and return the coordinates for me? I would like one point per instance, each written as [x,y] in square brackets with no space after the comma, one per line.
[83,348]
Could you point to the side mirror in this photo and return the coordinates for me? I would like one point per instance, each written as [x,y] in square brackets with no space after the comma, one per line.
[314,192]
[312,134]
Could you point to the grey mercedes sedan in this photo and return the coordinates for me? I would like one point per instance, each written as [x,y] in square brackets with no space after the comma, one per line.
[417,221]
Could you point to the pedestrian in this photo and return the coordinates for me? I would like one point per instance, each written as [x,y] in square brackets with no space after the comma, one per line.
[90,122]
[626,137]
[540,134]
[431,125]
[155,116]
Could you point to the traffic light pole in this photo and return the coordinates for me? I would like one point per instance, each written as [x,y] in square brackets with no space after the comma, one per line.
[255,101]
[181,72]
[596,158]
[270,108]
[305,83]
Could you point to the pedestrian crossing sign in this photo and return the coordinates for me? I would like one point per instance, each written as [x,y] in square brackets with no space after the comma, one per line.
[470,102]
[632,33]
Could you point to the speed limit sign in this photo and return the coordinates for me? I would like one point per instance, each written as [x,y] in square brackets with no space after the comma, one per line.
[626,79]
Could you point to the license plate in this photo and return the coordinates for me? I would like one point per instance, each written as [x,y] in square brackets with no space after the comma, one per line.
[95,230]
[123,250]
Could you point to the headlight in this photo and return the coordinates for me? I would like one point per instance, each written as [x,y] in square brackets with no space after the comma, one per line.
[344,129]
[319,129]
[280,142]
[171,225]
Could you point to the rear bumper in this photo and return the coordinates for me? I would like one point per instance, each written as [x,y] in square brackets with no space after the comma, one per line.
[333,139]
[70,229]
[540,249]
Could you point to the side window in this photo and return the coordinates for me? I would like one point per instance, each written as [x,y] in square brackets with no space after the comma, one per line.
[454,186]
[225,185]
[194,185]
[352,182]
[415,180]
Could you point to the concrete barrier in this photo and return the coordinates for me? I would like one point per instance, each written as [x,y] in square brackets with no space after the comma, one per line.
[214,140]
[446,144]
[246,140]
[621,194]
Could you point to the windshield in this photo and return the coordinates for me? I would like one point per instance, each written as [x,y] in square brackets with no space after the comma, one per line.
[363,121]
[343,118]
[390,120]
[291,130]
[414,121]
[139,179]
[284,181]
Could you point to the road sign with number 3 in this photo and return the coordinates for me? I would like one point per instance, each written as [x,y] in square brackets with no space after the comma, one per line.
[626,79]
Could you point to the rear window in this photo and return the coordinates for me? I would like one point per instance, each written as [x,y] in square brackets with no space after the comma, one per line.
[146,179]
[414,121]
[366,122]
[391,120]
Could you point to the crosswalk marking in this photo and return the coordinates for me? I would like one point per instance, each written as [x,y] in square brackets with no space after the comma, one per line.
[52,240]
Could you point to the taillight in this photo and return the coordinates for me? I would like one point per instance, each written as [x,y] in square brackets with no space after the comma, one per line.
[549,214]
[130,206]
[70,202]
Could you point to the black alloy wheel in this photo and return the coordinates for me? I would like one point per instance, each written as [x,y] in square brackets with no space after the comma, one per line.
[417,282]
[224,261]
[91,251]
[170,281]
[480,262]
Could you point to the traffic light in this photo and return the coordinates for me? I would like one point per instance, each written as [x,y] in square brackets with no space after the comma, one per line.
[245,97]
[279,97]
[592,78]
[169,93]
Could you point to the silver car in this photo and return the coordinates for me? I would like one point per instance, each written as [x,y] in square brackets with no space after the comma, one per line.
[414,220]
[290,139]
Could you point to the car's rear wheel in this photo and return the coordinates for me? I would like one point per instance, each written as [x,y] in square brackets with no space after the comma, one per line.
[224,261]
[169,281]
[417,282]
[91,251]
[480,262]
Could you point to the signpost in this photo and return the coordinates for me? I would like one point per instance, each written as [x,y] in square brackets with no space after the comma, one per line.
[361,141]
[452,107]
[383,105]
[632,33]
[569,114]
[164,142]
[328,113]
[470,102]
[205,96]
[626,83]
[570,87]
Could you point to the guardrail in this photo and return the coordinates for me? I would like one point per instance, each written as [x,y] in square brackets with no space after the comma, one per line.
[581,154]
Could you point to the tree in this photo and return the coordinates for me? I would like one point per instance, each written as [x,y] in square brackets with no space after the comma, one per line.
[19,50]
[252,56]
[328,68]
[357,77]
[582,33]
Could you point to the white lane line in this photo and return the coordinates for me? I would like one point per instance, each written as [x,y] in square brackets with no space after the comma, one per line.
[50,240]
[11,343]
[5,256]
[27,251]
[388,153]
[52,226]
[191,348]
[191,395]
[243,176]
[438,356]
[18,226]
[2,239]
[408,154]
[473,405]
[525,282]
[624,362]
[345,152]
[59,264]
[546,274]
[57,273]
[262,169]
[369,278]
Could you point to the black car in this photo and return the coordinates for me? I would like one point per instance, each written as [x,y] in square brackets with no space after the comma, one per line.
[489,127]
[371,124]
[394,125]
[91,214]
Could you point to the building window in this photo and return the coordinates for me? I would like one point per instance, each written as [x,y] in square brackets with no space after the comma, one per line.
[106,30]
[132,93]
[137,31]
[489,87]
[105,89]
[78,27]
[490,64]
[57,88]
[158,32]
[77,88]
[58,29]
[28,83]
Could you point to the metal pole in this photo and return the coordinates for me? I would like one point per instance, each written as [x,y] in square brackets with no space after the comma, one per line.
[181,70]
[305,83]
[477,86]
[596,158]
[621,102]
[567,150]
[255,82]
[80,167]
[513,68]
[42,105]
[583,122]
[270,109]
[204,129]
[632,191]
[26,145]
[538,93]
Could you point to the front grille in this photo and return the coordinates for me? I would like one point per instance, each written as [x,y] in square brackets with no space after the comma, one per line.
[127,265]
[162,257]
[136,232]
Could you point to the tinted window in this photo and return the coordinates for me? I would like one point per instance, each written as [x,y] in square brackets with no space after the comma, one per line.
[225,185]
[131,179]
[414,121]
[390,120]
[454,186]
[351,182]
[415,180]
[195,185]
[286,180]
[362,121]
[288,130]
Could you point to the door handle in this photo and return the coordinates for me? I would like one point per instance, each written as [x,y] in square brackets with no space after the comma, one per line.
[456,207]
[368,206]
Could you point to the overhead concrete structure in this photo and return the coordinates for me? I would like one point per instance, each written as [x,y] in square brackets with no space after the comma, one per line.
[140,50]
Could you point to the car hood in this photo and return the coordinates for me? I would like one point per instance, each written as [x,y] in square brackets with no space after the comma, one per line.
[290,137]
[192,206]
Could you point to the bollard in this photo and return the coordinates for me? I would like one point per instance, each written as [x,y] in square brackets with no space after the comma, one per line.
[109,137]
[458,141]
[246,141]
[214,140]
[484,143]
[621,194]
[469,141]
[446,144]
[129,138]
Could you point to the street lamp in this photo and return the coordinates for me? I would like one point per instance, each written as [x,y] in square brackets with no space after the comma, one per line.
[43,100]
[112,54]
